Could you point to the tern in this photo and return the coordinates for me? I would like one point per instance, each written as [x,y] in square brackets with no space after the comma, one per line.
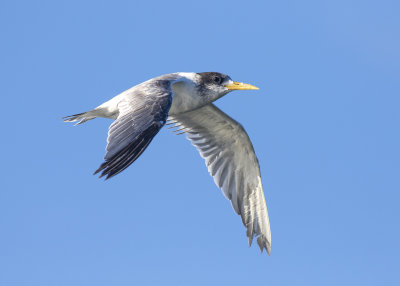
[184,100]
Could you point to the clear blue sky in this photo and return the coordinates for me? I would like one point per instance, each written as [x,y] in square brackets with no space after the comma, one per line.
[324,124]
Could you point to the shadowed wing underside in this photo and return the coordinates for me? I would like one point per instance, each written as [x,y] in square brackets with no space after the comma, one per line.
[142,113]
[231,161]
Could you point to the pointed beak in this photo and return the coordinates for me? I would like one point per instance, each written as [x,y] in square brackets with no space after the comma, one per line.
[240,86]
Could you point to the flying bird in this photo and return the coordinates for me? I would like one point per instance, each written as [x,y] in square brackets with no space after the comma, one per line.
[184,100]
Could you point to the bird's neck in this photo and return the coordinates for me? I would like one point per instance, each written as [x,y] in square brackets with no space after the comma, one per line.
[186,97]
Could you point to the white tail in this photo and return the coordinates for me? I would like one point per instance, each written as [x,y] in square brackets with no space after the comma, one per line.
[81,117]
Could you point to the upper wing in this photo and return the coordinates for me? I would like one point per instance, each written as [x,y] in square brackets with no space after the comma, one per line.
[231,160]
[143,110]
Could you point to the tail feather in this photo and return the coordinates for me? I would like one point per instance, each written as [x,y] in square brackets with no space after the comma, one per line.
[80,117]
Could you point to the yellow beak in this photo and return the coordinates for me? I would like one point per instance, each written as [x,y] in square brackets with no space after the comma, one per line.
[240,86]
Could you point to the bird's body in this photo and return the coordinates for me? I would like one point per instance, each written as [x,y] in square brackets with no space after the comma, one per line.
[186,99]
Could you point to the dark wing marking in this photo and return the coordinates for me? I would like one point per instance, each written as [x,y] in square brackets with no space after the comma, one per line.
[143,111]
[231,161]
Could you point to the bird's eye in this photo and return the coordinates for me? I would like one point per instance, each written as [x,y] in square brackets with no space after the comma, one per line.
[217,79]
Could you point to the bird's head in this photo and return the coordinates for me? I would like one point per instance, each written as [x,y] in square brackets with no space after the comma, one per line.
[215,85]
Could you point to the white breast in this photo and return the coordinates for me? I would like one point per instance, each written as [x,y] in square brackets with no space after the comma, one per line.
[186,95]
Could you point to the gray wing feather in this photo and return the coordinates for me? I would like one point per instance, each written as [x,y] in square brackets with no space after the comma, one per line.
[231,161]
[143,111]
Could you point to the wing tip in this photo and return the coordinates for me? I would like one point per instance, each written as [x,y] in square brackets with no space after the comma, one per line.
[126,156]
[263,243]
[107,172]
[104,173]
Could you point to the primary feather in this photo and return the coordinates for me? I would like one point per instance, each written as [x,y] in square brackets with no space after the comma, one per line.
[231,161]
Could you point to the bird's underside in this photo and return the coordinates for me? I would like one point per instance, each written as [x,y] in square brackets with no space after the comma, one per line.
[143,110]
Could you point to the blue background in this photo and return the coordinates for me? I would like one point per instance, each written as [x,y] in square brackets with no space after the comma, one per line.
[324,124]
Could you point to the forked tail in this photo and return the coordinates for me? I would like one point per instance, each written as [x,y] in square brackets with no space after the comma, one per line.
[81,117]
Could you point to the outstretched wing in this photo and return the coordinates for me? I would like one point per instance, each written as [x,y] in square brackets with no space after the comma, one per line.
[231,161]
[143,111]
